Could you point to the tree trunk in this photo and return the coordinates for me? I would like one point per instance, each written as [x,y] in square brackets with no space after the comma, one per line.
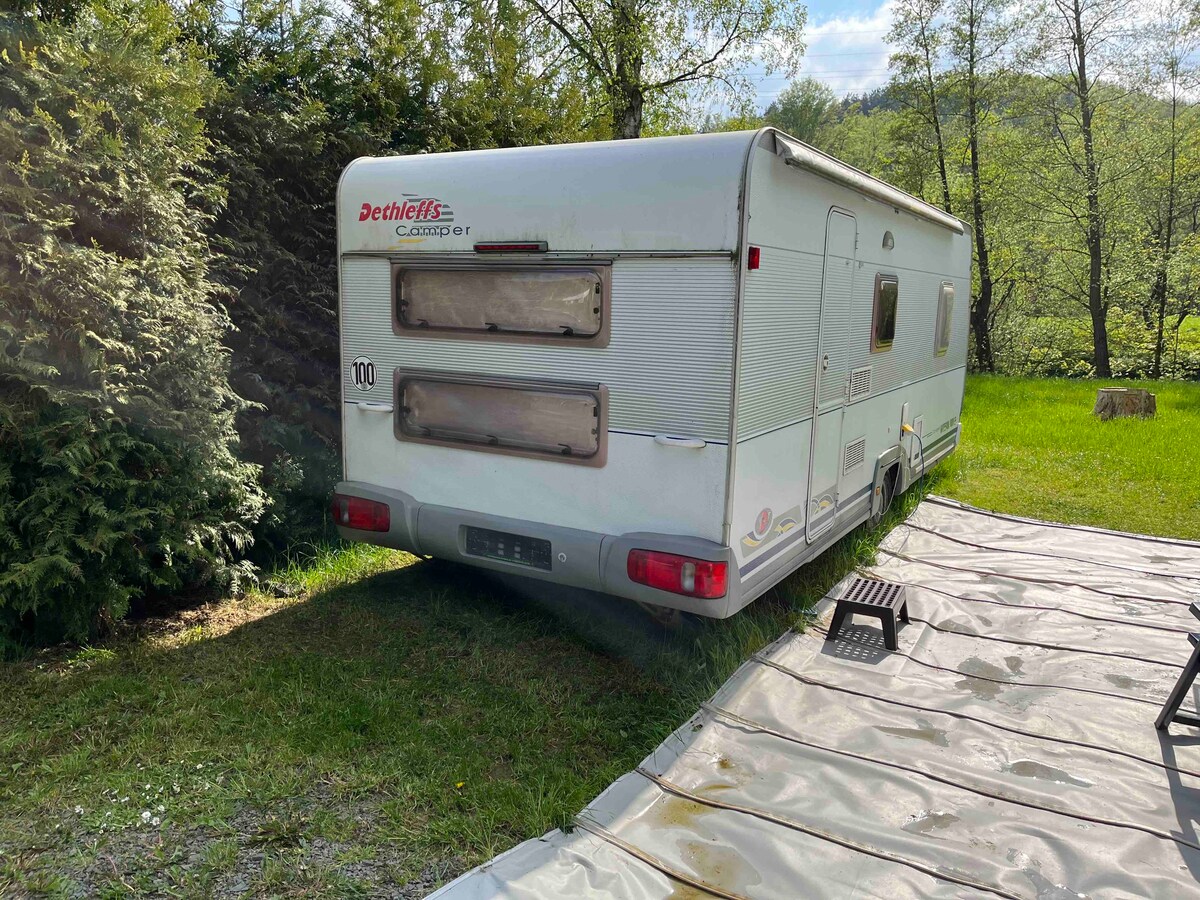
[1095,223]
[1159,293]
[1158,298]
[981,309]
[627,107]
[625,91]
[936,119]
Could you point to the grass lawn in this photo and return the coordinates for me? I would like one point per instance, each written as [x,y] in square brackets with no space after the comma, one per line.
[398,720]
[1032,447]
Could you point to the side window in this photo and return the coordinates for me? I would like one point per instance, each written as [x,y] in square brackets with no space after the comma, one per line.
[544,303]
[944,311]
[883,323]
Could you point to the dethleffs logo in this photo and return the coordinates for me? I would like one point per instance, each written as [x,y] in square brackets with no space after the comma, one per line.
[420,217]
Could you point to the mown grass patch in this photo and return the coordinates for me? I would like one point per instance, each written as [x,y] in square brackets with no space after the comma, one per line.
[1032,447]
[400,721]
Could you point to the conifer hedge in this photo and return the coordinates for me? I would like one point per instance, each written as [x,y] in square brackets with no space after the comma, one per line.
[119,475]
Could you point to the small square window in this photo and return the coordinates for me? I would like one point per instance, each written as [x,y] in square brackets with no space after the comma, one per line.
[944,312]
[883,323]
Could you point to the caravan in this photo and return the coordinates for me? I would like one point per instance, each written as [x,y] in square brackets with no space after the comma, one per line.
[671,369]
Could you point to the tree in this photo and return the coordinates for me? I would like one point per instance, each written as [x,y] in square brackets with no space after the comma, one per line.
[1082,39]
[917,31]
[640,51]
[979,34]
[804,110]
[118,468]
[1174,42]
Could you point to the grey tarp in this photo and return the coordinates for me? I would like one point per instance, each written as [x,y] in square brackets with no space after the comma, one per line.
[1007,749]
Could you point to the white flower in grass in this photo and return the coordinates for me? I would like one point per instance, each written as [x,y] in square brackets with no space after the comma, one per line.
[156,821]
[79,810]
[145,815]
[161,808]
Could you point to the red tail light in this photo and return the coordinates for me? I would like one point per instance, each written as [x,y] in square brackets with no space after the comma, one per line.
[753,257]
[678,574]
[360,513]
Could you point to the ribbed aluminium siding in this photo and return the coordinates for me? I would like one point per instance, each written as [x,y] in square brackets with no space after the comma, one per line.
[667,366]
[912,355]
[780,323]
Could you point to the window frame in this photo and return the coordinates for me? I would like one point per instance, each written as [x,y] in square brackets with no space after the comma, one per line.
[878,346]
[944,320]
[601,269]
[598,392]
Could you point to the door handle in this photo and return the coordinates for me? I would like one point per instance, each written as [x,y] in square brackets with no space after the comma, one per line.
[825,363]
[691,443]
[367,406]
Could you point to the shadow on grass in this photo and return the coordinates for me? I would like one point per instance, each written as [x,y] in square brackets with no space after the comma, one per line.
[421,715]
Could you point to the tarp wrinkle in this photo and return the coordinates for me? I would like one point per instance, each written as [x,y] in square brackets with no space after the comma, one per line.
[1007,749]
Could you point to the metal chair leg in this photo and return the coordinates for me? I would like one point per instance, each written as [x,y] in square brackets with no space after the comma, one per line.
[1170,711]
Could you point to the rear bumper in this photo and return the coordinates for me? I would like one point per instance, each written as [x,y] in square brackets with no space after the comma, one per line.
[582,559]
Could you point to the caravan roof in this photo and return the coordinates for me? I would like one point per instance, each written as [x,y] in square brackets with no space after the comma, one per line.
[671,194]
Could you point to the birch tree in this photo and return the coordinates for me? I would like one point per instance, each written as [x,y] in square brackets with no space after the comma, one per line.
[917,30]
[1083,41]
[637,51]
[1174,40]
[978,38]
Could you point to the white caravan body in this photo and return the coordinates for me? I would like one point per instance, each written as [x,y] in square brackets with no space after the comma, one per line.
[669,369]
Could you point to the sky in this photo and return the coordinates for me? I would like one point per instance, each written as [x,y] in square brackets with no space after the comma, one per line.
[844,48]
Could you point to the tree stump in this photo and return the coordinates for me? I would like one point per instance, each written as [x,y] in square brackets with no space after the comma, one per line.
[1114,403]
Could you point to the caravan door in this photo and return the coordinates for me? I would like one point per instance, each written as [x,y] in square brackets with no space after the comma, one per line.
[833,347]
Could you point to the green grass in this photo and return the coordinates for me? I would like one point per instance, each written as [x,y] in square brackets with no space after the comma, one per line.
[1032,447]
[400,720]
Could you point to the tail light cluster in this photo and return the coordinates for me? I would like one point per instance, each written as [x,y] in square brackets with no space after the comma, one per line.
[360,513]
[678,574]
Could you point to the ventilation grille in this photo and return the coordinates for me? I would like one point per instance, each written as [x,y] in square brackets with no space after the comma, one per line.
[856,450]
[873,592]
[860,382]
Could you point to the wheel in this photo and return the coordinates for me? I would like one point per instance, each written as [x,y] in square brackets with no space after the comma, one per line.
[887,493]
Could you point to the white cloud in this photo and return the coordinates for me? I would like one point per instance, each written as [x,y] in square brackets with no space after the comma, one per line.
[847,52]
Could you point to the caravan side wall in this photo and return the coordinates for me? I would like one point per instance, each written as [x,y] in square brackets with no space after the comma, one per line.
[799,303]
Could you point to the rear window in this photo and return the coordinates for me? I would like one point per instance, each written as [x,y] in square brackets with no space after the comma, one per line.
[550,420]
[560,303]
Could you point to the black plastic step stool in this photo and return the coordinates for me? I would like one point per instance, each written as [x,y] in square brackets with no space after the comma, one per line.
[1170,711]
[871,597]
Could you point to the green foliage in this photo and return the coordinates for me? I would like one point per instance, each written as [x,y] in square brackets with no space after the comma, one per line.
[804,110]
[118,474]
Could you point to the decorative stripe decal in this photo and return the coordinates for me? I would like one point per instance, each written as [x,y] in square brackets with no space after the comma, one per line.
[799,533]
